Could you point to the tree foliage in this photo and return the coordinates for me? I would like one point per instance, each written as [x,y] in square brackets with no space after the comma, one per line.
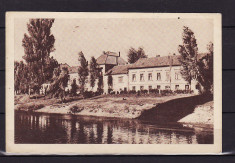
[134,55]
[188,52]
[110,80]
[93,72]
[205,71]
[82,71]
[21,77]
[74,88]
[60,82]
[38,44]
[100,82]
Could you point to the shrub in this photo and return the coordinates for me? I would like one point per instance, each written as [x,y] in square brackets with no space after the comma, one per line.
[144,91]
[132,92]
[87,94]
[155,91]
[166,92]
[183,91]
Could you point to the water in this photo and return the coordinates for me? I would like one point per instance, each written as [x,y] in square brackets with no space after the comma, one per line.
[38,128]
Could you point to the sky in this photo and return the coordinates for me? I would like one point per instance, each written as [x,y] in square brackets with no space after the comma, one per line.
[92,36]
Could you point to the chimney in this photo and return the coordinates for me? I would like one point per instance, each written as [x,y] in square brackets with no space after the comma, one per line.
[157,55]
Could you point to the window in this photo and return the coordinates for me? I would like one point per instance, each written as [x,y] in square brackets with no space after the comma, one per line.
[177,75]
[197,86]
[158,76]
[133,88]
[177,87]
[133,77]
[120,79]
[186,87]
[141,77]
[141,88]
[167,75]
[150,76]
[150,87]
[158,87]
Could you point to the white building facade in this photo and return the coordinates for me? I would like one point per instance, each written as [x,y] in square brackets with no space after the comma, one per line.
[162,73]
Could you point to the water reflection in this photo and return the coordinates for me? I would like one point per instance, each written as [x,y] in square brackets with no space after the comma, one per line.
[37,128]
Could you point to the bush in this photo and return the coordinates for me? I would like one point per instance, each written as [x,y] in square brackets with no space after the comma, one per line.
[132,92]
[144,91]
[87,94]
[166,92]
[183,91]
[154,91]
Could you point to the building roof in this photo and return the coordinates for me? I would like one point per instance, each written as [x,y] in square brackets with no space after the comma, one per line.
[73,69]
[160,61]
[156,62]
[120,69]
[110,58]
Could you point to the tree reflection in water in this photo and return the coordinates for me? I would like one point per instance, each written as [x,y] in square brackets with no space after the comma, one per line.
[37,128]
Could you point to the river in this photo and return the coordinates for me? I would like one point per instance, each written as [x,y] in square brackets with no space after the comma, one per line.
[41,128]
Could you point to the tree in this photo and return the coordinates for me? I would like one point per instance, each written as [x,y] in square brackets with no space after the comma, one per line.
[110,80]
[21,77]
[100,83]
[205,71]
[16,77]
[93,72]
[82,71]
[60,82]
[188,52]
[38,44]
[134,55]
[74,88]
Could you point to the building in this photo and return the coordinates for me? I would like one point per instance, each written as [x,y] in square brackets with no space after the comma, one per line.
[105,62]
[119,78]
[162,73]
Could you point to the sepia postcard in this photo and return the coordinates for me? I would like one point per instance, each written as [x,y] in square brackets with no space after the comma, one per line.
[113,83]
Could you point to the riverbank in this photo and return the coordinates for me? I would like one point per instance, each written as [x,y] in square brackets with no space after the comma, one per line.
[203,114]
[109,106]
[105,105]
[181,108]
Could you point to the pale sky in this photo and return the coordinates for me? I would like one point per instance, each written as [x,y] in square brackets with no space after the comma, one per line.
[93,36]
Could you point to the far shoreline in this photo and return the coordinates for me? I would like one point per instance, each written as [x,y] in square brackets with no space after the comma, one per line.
[118,107]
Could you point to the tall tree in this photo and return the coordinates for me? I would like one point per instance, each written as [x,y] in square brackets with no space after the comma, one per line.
[74,88]
[188,52]
[205,71]
[16,77]
[60,82]
[82,71]
[21,77]
[93,72]
[38,44]
[100,83]
[110,80]
[134,55]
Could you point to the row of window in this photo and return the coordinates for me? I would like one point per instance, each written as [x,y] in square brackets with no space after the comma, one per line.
[150,76]
[159,87]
